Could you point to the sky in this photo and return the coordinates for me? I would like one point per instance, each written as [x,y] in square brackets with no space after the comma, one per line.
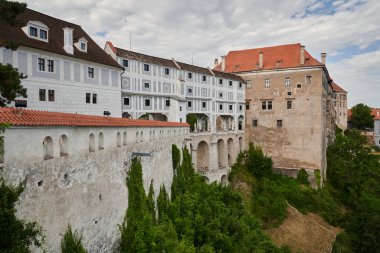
[198,31]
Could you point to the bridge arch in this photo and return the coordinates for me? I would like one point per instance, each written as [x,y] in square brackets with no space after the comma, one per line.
[231,151]
[221,154]
[203,156]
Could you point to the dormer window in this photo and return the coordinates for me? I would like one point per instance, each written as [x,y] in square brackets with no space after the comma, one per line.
[81,44]
[36,30]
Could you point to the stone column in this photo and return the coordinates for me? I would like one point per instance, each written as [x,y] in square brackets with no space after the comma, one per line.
[194,159]
[213,158]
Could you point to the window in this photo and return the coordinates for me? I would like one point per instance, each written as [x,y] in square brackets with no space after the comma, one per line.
[189,75]
[167,71]
[146,85]
[48,148]
[287,81]
[247,105]
[308,79]
[83,46]
[33,31]
[240,107]
[279,123]
[147,102]
[43,34]
[249,84]
[188,103]
[289,104]
[230,107]
[90,72]
[146,67]
[299,85]
[101,141]
[42,95]
[266,105]
[51,95]
[50,65]
[91,143]
[220,81]
[63,145]
[21,103]
[289,93]
[88,98]
[41,64]
[240,85]
[125,63]
[203,104]
[204,78]
[126,101]
[221,94]
[167,102]
[230,83]
[254,122]
[220,107]
[266,82]
[94,98]
[180,108]
[190,90]
[118,139]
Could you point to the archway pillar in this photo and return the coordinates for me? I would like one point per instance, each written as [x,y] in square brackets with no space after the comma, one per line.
[194,159]
[214,163]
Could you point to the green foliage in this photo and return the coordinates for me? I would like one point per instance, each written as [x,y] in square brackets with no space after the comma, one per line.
[317,175]
[255,161]
[176,156]
[302,177]
[144,116]
[191,119]
[72,242]
[9,11]
[15,235]
[198,218]
[10,87]
[362,117]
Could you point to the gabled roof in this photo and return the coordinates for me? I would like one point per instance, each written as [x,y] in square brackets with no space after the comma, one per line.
[141,57]
[228,76]
[337,88]
[275,57]
[26,117]
[55,36]
[193,68]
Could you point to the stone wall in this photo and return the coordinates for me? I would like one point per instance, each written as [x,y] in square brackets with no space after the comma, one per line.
[84,189]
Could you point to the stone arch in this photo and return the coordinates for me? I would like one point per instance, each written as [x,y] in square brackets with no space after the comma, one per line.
[48,148]
[241,122]
[224,180]
[206,179]
[221,154]
[231,151]
[124,138]
[158,116]
[63,145]
[203,157]
[91,143]
[101,141]
[118,139]
[126,115]
[241,143]
[219,123]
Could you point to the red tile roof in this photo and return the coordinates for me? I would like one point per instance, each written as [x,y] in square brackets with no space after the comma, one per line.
[337,88]
[26,117]
[374,111]
[276,57]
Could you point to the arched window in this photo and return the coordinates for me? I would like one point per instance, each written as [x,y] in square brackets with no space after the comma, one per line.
[118,139]
[141,136]
[91,146]
[48,148]
[101,141]
[137,137]
[63,145]
[124,138]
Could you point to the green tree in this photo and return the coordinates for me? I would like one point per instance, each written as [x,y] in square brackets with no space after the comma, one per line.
[362,117]
[191,119]
[16,235]
[72,242]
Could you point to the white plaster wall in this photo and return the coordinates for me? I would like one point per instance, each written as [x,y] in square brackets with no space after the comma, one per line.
[87,190]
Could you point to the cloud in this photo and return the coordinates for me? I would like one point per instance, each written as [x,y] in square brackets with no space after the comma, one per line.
[199,31]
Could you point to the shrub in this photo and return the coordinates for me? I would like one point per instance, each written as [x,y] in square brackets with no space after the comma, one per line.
[72,242]
[302,177]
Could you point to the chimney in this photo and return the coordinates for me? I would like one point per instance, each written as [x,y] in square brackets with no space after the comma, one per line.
[223,62]
[323,58]
[216,62]
[261,60]
[302,55]
[68,40]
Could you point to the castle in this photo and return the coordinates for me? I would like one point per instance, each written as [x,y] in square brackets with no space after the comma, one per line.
[80,129]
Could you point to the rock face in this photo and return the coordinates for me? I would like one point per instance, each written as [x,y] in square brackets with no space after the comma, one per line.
[87,191]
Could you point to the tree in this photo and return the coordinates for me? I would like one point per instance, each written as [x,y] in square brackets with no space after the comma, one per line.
[362,117]
[15,235]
